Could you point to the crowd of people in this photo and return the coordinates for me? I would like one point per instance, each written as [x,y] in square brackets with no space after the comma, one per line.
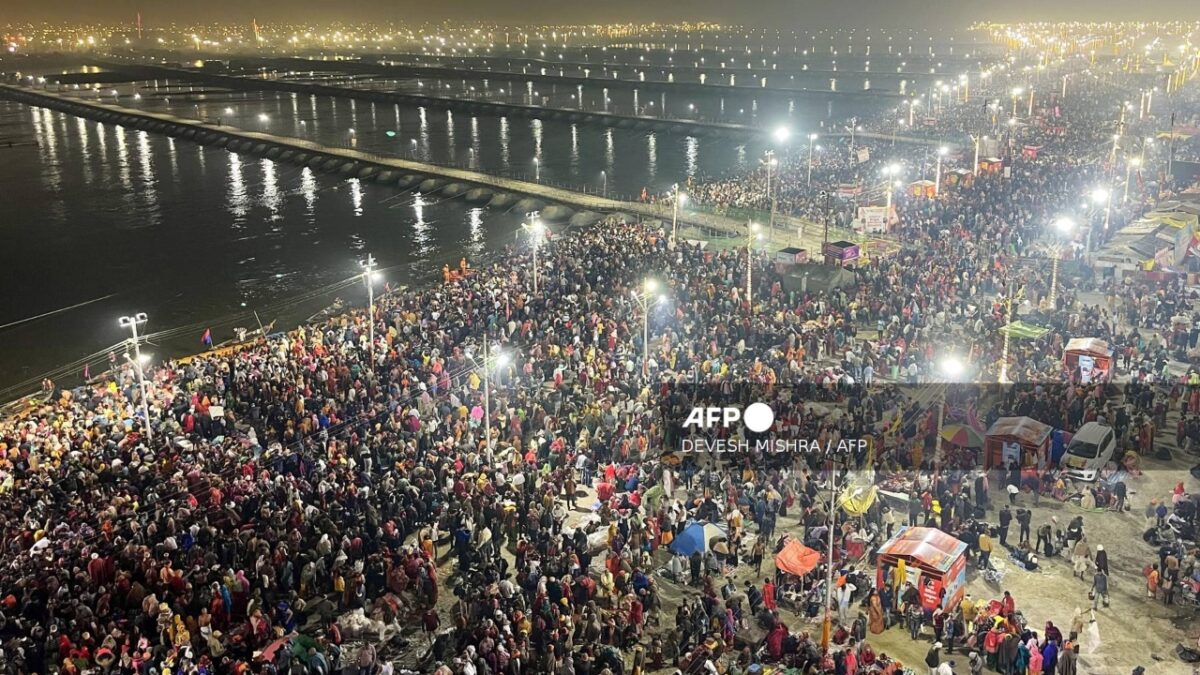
[313,502]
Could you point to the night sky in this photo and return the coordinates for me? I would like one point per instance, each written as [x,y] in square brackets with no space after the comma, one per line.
[792,14]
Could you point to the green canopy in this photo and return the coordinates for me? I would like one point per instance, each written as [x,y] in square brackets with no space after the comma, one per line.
[1024,331]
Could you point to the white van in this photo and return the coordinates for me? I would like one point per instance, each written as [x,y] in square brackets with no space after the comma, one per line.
[1090,449]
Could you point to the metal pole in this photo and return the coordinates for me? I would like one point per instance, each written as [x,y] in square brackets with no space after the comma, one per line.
[645,335]
[975,165]
[770,190]
[487,401]
[1054,282]
[937,184]
[368,268]
[810,151]
[137,367]
[828,623]
[675,215]
[937,440]
[749,260]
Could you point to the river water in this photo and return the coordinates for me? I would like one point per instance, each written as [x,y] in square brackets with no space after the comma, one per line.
[128,221]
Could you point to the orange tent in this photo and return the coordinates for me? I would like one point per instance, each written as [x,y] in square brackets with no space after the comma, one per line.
[796,558]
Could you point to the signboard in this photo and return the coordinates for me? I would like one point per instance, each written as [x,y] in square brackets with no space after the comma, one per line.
[1010,453]
[840,250]
[874,218]
[849,190]
[216,411]
[864,155]
[931,592]
[1087,366]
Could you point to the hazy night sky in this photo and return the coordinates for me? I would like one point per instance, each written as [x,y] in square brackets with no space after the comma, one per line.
[797,14]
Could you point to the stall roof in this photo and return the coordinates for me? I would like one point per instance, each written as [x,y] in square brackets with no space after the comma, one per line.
[1024,429]
[926,545]
[1089,345]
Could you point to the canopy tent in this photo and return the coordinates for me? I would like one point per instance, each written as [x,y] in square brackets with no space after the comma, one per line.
[796,558]
[1023,331]
[857,499]
[696,536]
[1020,439]
[962,435]
[933,561]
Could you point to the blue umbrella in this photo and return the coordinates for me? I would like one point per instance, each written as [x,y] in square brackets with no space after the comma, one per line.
[696,536]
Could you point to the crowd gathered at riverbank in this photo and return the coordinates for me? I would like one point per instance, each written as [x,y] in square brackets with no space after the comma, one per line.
[322,501]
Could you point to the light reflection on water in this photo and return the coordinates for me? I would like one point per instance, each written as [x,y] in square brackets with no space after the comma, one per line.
[209,235]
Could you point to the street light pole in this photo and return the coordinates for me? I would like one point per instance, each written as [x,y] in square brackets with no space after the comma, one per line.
[604,183]
[132,322]
[675,213]
[770,190]
[644,300]
[827,624]
[487,398]
[751,229]
[812,138]
[937,185]
[368,266]
[535,230]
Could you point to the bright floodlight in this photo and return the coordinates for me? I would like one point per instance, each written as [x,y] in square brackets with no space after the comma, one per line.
[952,367]
[782,134]
[891,169]
[943,150]
[1064,225]
[262,117]
[502,359]
[1099,195]
[651,285]
[812,137]
[682,198]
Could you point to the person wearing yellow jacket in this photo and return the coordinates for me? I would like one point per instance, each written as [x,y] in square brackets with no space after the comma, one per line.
[985,550]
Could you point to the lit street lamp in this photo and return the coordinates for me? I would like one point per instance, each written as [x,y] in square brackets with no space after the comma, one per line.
[937,183]
[1065,227]
[889,172]
[536,230]
[368,276]
[812,138]
[603,183]
[752,233]
[499,360]
[770,162]
[645,300]
[951,368]
[132,323]
[679,199]
[1130,164]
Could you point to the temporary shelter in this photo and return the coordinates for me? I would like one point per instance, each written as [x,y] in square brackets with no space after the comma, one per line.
[933,561]
[1016,439]
[697,536]
[796,558]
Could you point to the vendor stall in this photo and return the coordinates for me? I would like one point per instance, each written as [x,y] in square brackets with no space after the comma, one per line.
[931,560]
[922,188]
[840,253]
[1016,439]
[1088,360]
[991,165]
[958,177]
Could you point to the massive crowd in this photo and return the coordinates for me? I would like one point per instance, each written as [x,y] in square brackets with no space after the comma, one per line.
[310,499]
